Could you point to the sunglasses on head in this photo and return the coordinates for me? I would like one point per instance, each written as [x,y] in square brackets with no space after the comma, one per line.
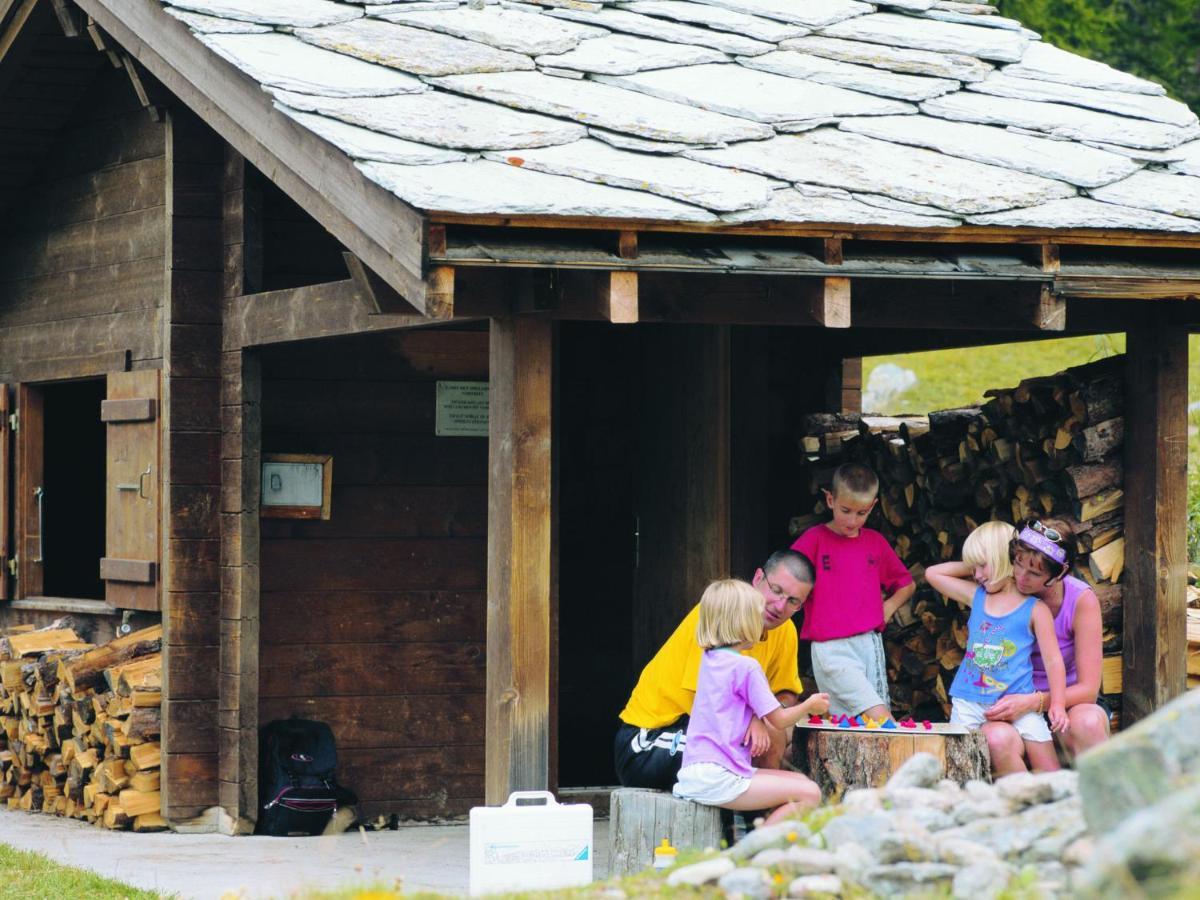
[1046,530]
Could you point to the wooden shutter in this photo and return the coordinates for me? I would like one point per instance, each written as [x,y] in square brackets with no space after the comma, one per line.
[5,499]
[130,565]
[30,469]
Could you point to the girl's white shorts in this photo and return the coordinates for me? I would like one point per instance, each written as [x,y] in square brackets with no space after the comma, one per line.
[710,784]
[1031,726]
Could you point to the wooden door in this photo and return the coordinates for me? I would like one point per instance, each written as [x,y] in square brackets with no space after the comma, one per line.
[27,507]
[130,566]
[5,499]
[681,481]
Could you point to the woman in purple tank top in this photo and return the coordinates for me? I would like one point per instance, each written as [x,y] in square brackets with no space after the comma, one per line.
[1043,555]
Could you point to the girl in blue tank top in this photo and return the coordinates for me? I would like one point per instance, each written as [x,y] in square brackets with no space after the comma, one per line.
[1003,630]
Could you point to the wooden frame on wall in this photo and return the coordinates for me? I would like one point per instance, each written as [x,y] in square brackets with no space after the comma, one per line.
[276,467]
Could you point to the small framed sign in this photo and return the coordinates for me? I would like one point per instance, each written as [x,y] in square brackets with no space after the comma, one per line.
[462,409]
[296,485]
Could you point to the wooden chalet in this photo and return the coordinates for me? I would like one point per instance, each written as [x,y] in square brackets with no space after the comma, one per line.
[660,231]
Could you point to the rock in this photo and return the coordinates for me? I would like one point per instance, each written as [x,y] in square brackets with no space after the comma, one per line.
[921,770]
[758,96]
[1081,212]
[984,880]
[921,34]
[1059,120]
[202,24]
[962,852]
[851,860]
[951,790]
[806,203]
[1079,852]
[770,858]
[808,861]
[1045,62]
[813,13]
[851,76]
[954,66]
[859,829]
[623,54]
[1056,824]
[927,817]
[1189,161]
[628,142]
[1052,878]
[713,187]
[781,834]
[749,881]
[440,119]
[488,188]
[1154,759]
[901,879]
[718,18]
[1066,161]
[905,799]
[857,163]
[862,800]
[1138,106]
[504,29]
[413,50]
[290,13]
[1023,789]
[1175,195]
[704,872]
[362,143]
[606,106]
[901,844]
[647,26]
[810,885]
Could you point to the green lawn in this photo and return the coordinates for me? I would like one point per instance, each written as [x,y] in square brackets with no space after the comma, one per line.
[32,876]
[949,378]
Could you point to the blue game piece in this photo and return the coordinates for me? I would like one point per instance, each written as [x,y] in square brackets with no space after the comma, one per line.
[845,723]
[890,724]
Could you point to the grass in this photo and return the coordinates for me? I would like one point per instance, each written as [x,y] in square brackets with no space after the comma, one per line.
[25,875]
[950,378]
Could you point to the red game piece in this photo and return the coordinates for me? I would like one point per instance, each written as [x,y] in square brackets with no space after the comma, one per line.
[815,720]
[927,725]
[908,723]
[854,723]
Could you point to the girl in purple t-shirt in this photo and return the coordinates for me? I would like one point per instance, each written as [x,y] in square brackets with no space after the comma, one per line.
[732,690]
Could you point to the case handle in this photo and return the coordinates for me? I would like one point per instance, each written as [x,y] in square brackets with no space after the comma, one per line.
[515,798]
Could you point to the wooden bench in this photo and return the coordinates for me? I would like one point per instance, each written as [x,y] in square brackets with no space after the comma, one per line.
[641,818]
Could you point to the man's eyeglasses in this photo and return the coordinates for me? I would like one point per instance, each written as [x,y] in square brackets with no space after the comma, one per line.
[1046,530]
[780,594]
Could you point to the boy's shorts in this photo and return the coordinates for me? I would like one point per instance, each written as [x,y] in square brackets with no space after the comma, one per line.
[649,757]
[853,672]
[1031,726]
[710,784]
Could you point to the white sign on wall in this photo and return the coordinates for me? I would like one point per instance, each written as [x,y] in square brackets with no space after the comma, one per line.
[462,409]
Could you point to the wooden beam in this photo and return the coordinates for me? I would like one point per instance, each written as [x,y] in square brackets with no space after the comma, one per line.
[382,298]
[1048,310]
[519,556]
[70,19]
[622,300]
[371,222]
[141,87]
[1155,605]
[1100,287]
[627,245]
[830,307]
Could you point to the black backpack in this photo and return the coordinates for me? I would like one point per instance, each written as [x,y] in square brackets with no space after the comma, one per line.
[297,790]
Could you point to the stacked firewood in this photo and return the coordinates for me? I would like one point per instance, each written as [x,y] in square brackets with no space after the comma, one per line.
[79,725]
[1051,446]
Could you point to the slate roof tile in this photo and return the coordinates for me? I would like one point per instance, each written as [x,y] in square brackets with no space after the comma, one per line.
[900,113]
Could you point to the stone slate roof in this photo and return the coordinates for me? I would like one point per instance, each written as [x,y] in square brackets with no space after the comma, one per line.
[908,113]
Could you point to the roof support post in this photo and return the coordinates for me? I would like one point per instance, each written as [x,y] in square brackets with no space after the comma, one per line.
[1155,647]
[520,580]
[831,306]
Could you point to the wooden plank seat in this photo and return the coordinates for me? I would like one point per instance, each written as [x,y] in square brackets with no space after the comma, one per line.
[641,818]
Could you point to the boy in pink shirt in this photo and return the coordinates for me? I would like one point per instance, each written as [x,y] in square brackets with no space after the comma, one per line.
[860,583]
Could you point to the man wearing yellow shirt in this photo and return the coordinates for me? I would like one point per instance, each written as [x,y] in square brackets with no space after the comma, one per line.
[649,744]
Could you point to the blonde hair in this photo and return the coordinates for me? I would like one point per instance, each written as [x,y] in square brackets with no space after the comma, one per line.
[731,613]
[988,545]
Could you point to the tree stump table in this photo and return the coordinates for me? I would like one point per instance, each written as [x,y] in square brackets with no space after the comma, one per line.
[838,760]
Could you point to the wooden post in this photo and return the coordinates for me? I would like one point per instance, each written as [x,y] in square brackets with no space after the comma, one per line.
[519,557]
[1155,645]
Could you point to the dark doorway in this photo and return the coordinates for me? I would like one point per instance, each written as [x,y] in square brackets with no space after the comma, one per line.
[73,490]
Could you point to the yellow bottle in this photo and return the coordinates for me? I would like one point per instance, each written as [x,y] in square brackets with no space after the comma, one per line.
[664,855]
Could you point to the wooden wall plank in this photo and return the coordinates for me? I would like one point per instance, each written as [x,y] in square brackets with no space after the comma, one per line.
[324,670]
[396,721]
[1154,589]
[519,556]
[366,563]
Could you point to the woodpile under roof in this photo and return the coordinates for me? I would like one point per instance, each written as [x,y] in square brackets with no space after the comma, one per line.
[909,113]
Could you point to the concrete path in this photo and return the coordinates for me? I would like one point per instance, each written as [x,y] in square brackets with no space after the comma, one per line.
[211,866]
